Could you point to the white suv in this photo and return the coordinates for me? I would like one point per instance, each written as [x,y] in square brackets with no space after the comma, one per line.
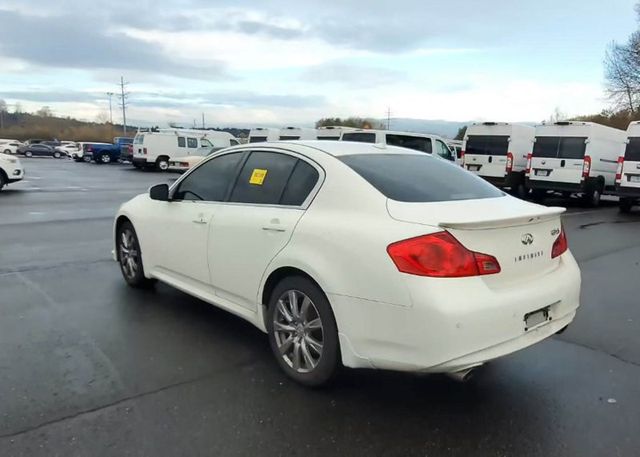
[10,170]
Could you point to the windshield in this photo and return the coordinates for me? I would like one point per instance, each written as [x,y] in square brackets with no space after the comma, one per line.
[492,145]
[419,178]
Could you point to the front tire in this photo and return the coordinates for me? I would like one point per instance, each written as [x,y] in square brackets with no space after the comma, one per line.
[57,155]
[130,257]
[7,151]
[104,158]
[302,332]
[28,154]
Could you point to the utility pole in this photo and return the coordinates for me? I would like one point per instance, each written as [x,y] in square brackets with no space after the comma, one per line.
[110,94]
[202,121]
[388,117]
[123,103]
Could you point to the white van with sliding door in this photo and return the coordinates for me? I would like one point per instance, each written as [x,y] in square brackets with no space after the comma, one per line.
[332,133]
[574,157]
[497,152]
[262,135]
[628,174]
[297,133]
[423,142]
[157,149]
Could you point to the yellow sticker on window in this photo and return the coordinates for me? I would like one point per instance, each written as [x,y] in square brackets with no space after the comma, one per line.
[257,177]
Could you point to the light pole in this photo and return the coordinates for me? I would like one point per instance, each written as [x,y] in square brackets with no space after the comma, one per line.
[110,94]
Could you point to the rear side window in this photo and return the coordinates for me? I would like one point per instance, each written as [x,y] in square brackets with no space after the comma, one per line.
[632,153]
[360,137]
[289,137]
[416,143]
[182,143]
[559,147]
[419,178]
[192,142]
[211,180]
[329,138]
[490,145]
[257,139]
[263,178]
[301,183]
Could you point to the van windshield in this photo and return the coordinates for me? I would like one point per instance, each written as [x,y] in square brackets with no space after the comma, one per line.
[632,152]
[487,145]
[560,147]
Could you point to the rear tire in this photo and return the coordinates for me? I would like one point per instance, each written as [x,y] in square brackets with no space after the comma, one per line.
[104,158]
[591,197]
[302,332]
[86,159]
[625,205]
[56,155]
[7,151]
[521,191]
[28,154]
[162,164]
[130,257]
[3,180]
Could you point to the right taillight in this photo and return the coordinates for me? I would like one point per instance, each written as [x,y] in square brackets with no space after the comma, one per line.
[619,171]
[560,245]
[440,255]
[528,169]
[462,158]
[144,151]
[509,167]
[586,167]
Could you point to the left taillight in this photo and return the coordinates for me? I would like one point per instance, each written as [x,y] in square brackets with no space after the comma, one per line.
[509,162]
[529,160]
[560,245]
[440,255]
[586,167]
[619,171]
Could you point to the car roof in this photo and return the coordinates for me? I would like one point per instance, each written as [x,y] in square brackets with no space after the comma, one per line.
[338,148]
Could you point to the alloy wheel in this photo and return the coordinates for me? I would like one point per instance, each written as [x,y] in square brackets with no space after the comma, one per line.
[105,158]
[298,331]
[129,254]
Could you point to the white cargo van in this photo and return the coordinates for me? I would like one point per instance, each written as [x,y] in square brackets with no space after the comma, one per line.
[156,149]
[628,174]
[260,135]
[575,158]
[297,133]
[497,152]
[416,141]
[332,133]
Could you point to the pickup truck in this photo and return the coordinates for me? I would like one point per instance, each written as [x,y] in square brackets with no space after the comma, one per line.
[100,152]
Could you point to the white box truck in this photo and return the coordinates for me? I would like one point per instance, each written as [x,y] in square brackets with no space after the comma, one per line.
[628,173]
[157,149]
[497,152]
[574,157]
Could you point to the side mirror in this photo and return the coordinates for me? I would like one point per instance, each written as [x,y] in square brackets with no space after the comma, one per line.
[159,192]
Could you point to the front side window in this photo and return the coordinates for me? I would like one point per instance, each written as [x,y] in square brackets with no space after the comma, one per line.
[234,142]
[632,152]
[263,178]
[192,142]
[360,137]
[419,178]
[205,143]
[487,145]
[417,143]
[211,180]
[182,143]
[443,150]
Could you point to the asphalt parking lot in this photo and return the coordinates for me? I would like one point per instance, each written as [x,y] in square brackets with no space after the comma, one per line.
[90,367]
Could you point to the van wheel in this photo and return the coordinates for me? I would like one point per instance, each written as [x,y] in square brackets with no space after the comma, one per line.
[592,197]
[625,205]
[302,332]
[162,164]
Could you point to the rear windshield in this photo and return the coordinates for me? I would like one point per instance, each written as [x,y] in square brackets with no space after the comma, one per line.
[419,178]
[417,143]
[257,139]
[289,137]
[487,145]
[632,152]
[560,147]
[360,137]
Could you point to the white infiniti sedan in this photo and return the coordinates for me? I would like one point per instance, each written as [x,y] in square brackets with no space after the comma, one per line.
[362,255]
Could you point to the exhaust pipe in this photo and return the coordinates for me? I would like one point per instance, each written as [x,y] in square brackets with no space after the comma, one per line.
[463,375]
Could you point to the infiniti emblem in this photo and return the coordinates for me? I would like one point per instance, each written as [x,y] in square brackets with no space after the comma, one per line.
[527,239]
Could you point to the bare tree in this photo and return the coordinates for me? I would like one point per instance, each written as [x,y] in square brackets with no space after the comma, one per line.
[622,74]
[17,108]
[45,111]
[102,117]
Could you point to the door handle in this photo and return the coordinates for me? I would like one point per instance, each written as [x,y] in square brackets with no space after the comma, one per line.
[273,229]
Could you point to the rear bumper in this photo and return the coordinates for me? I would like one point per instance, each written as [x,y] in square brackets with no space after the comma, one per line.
[558,186]
[628,192]
[451,328]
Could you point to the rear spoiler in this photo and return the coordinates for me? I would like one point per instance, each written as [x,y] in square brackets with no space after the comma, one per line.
[484,224]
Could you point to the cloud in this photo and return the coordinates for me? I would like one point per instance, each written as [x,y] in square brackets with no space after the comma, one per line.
[70,42]
[352,75]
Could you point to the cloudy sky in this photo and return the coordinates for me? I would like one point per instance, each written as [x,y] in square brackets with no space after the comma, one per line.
[284,62]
